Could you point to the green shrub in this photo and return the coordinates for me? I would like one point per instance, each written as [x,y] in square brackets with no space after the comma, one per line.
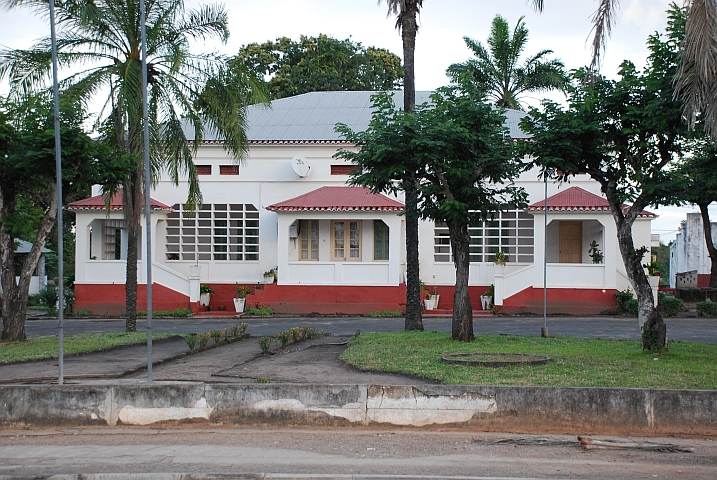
[284,337]
[180,312]
[621,299]
[706,309]
[264,344]
[203,339]
[386,313]
[83,313]
[48,298]
[191,341]
[216,335]
[259,310]
[33,301]
[238,330]
[671,306]
[632,307]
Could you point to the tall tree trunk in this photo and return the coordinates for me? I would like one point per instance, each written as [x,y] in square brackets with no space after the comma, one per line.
[462,321]
[132,210]
[711,250]
[654,330]
[414,320]
[414,317]
[14,308]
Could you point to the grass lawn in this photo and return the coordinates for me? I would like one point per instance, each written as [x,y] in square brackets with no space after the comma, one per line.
[576,362]
[46,347]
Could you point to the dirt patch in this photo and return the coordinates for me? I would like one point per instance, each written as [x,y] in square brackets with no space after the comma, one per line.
[312,361]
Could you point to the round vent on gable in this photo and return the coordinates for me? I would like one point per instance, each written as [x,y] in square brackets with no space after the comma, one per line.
[300,166]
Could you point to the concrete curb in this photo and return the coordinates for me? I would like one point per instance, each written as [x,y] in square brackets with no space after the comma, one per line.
[489,408]
[236,476]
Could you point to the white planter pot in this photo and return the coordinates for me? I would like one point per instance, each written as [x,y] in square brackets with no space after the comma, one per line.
[269,279]
[239,304]
[431,302]
[486,302]
[428,302]
[204,299]
[654,281]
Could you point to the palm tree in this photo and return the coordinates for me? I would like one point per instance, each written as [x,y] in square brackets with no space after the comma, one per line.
[406,12]
[101,41]
[695,80]
[497,67]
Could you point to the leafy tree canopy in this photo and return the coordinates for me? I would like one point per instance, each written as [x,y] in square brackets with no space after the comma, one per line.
[28,196]
[459,150]
[626,134]
[320,63]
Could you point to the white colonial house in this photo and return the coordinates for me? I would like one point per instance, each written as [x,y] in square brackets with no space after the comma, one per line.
[340,249]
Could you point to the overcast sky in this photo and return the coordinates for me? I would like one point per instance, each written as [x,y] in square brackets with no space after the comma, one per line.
[564,27]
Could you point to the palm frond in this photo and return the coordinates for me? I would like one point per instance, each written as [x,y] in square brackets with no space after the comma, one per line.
[696,83]
[603,20]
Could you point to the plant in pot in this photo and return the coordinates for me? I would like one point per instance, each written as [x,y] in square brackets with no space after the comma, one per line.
[240,300]
[595,253]
[653,273]
[501,257]
[205,293]
[270,275]
[431,301]
[486,299]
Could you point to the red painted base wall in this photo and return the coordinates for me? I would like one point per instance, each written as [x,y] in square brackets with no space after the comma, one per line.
[303,299]
[110,299]
[568,301]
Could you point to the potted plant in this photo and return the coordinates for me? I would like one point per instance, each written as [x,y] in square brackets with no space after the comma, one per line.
[595,253]
[270,275]
[653,273]
[501,257]
[486,299]
[240,300]
[205,293]
[431,301]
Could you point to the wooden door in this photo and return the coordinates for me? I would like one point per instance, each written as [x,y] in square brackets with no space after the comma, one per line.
[346,241]
[570,242]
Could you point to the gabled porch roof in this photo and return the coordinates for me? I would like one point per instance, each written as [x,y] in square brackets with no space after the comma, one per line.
[576,199]
[339,199]
[116,204]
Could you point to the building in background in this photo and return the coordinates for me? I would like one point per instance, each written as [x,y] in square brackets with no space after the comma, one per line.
[341,249]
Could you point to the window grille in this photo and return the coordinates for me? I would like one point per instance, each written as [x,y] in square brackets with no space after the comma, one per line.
[213,232]
[511,231]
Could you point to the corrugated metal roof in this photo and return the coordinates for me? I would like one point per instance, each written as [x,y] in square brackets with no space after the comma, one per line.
[313,116]
[21,246]
[116,204]
[576,199]
[339,199]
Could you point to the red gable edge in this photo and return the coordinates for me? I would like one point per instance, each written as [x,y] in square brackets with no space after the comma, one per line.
[576,199]
[339,199]
[116,204]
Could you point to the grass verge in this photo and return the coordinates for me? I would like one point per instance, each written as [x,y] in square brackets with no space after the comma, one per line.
[46,347]
[576,362]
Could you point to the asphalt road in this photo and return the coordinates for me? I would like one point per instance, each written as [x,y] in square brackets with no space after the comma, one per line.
[700,330]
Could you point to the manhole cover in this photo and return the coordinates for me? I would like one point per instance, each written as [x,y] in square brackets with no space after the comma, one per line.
[494,360]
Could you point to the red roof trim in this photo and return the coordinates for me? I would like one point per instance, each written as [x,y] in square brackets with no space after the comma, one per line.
[339,199]
[576,199]
[97,203]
